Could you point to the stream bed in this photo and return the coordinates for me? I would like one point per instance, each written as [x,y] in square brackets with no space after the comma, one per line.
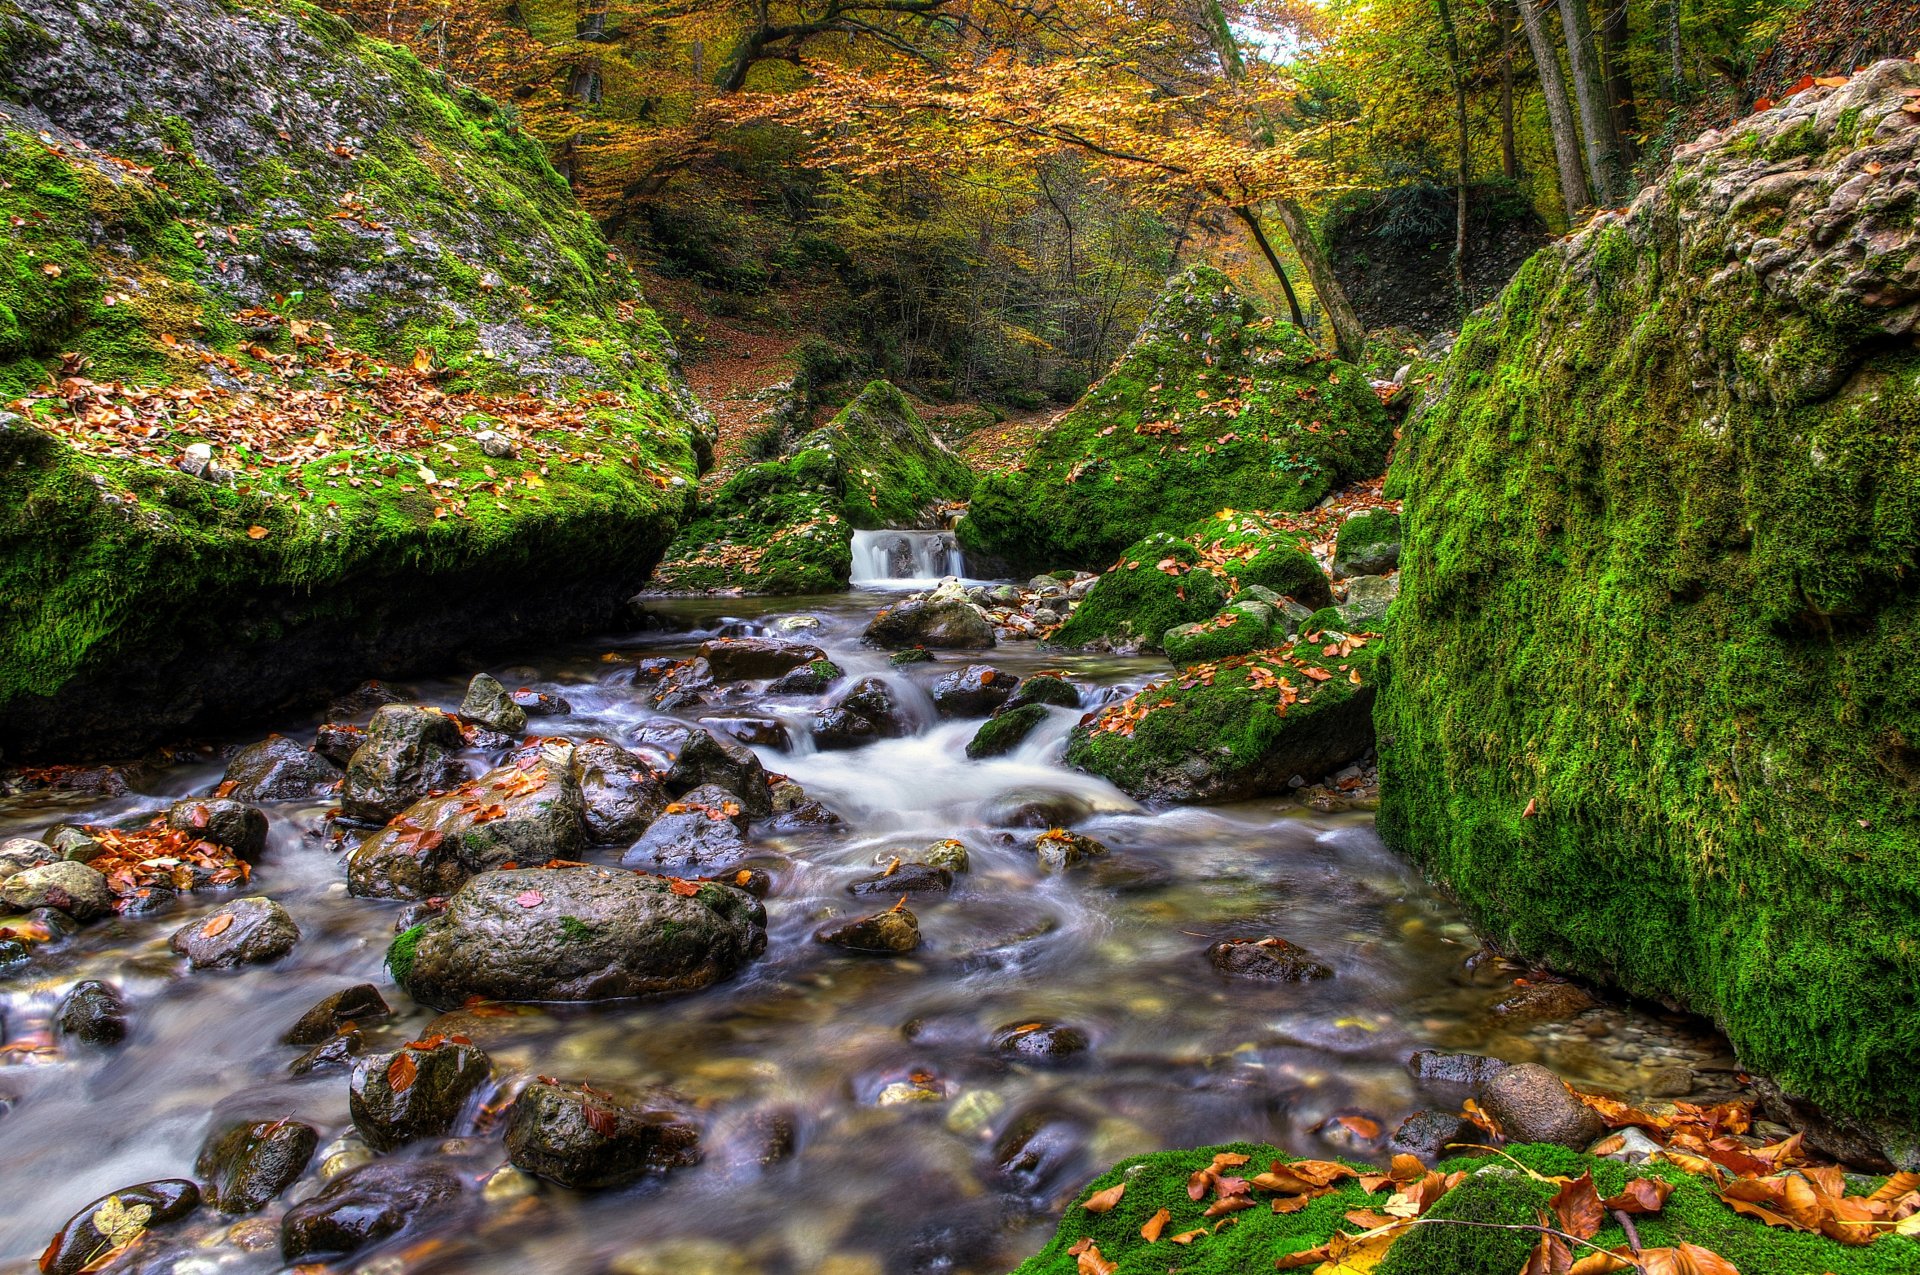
[906,1142]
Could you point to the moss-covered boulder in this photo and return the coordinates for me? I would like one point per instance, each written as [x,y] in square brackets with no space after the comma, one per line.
[1213,405]
[1158,583]
[1652,709]
[1367,544]
[1240,628]
[1239,728]
[786,526]
[318,370]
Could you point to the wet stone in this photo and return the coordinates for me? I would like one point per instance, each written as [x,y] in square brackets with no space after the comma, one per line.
[620,792]
[407,754]
[279,769]
[693,835]
[1005,731]
[1040,1041]
[591,1139]
[888,933]
[93,1012]
[950,622]
[244,932]
[17,854]
[709,759]
[78,1242]
[335,1053]
[1545,1002]
[813,678]
[361,1003]
[912,655]
[762,732]
[1273,959]
[338,742]
[973,691]
[1428,1134]
[418,1091]
[1469,1071]
[907,878]
[875,699]
[365,698]
[371,1203]
[488,703]
[836,728]
[74,888]
[246,1163]
[232,825]
[541,703]
[756,658]
[1531,1104]
[1058,849]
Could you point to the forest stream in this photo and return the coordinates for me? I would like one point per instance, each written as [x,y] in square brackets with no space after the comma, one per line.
[857,1114]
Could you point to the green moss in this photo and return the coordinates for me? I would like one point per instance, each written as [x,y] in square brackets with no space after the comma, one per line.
[1323,620]
[1662,539]
[1005,731]
[1288,571]
[1497,1192]
[1237,630]
[401,953]
[1367,542]
[575,930]
[1138,600]
[1213,405]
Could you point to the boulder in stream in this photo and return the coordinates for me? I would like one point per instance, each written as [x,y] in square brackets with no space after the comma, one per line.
[1531,1104]
[371,1203]
[279,769]
[1158,583]
[620,793]
[488,703]
[361,1003]
[808,679]
[903,878]
[234,826]
[737,659]
[79,1241]
[702,830]
[408,753]
[940,622]
[1044,688]
[706,758]
[418,1091]
[973,691]
[1272,959]
[1040,1041]
[890,933]
[74,888]
[247,931]
[590,1139]
[577,934]
[17,854]
[1058,849]
[93,1012]
[246,1163]
[1005,731]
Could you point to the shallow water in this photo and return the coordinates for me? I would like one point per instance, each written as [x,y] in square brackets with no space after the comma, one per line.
[1180,1054]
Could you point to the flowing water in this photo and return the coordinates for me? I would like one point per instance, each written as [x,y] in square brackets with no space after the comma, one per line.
[894,558]
[914,1147]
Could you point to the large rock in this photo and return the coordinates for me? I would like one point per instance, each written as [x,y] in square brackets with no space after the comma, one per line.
[575,934]
[244,932]
[93,1012]
[365,1205]
[418,1091]
[246,1163]
[1272,959]
[528,812]
[232,825]
[77,1244]
[209,599]
[589,1138]
[490,704]
[1156,585]
[408,753]
[74,888]
[1249,729]
[278,769]
[1005,731]
[706,758]
[949,622]
[1213,406]
[619,792]
[1367,544]
[703,831]
[1650,713]
[361,1003]
[1531,1104]
[738,659]
[894,932]
[973,691]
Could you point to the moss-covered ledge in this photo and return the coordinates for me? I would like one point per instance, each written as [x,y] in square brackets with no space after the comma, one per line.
[1651,705]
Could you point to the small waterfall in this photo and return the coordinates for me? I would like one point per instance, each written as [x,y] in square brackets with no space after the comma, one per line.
[890,556]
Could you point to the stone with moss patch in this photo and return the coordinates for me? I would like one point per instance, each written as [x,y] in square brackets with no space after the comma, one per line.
[1367,544]
[1156,585]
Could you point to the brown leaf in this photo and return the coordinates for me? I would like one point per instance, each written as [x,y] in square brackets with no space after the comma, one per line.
[601,1120]
[1156,1224]
[1103,1201]
[256,532]
[1294,1203]
[216,924]
[402,1072]
[1187,1237]
[1550,1256]
[1228,1204]
[1600,1264]
[1577,1205]
[1090,1262]
[1640,1195]
[1685,1259]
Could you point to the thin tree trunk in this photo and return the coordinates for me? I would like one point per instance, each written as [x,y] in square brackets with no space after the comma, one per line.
[1553,87]
[1349,336]
[1463,154]
[1676,71]
[1626,115]
[1604,169]
[1252,223]
[1509,151]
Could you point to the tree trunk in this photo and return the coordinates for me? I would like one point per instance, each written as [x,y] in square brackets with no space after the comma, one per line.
[1463,158]
[1604,168]
[1566,139]
[1509,152]
[1626,115]
[1676,71]
[1349,336]
[1252,223]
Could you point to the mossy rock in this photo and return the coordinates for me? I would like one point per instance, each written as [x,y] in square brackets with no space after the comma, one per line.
[1213,405]
[1491,1199]
[1367,544]
[1693,1214]
[786,526]
[1218,733]
[1006,731]
[157,250]
[1288,571]
[1156,585]
[1239,629]
[1662,534]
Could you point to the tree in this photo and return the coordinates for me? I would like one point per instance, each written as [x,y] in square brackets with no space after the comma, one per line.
[1566,139]
[1606,169]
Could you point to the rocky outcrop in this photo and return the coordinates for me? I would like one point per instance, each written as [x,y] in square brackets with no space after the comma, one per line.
[1213,406]
[786,525]
[234,207]
[1650,709]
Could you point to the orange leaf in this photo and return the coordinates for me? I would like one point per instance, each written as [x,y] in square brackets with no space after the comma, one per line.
[1640,1195]
[1187,1237]
[1103,1201]
[1577,1205]
[685,889]
[1600,1264]
[216,925]
[1685,1259]
[256,532]
[1155,1224]
[402,1072]
[529,898]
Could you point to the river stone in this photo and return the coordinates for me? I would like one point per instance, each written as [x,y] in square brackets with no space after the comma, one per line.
[338,742]
[1469,1071]
[756,658]
[1368,598]
[78,1242]
[368,697]
[69,842]
[577,934]
[1367,544]
[488,703]
[912,655]
[808,679]
[1058,849]
[528,812]
[232,825]
[541,703]
[245,1163]
[1269,958]
[887,933]
[17,854]
[908,878]
[1005,731]
[93,1012]
[1429,1135]
[361,1003]
[973,691]
[74,888]
[589,1139]
[1040,1041]
[408,753]
[706,758]
[621,794]
[244,932]
[875,699]
[373,1202]
[1045,688]
[278,769]
[944,853]
[837,729]
[691,835]
[1545,1002]
[1531,1104]
[950,623]
[418,1091]
[335,1053]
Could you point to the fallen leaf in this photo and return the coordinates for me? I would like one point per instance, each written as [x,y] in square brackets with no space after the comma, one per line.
[1155,1224]
[1577,1205]
[402,1072]
[529,898]
[1103,1201]
[1640,1195]
[216,925]
[685,889]
[256,532]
